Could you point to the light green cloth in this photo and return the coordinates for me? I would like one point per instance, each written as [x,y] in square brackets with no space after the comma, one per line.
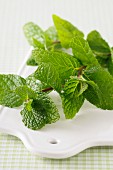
[13,155]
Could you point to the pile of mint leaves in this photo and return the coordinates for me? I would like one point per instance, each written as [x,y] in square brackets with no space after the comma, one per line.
[85,73]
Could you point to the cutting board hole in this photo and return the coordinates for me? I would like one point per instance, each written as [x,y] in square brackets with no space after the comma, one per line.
[53,141]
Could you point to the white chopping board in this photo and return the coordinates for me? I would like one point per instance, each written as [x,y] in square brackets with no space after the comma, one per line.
[65,138]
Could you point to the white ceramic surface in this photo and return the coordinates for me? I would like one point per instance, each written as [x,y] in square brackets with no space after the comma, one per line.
[65,138]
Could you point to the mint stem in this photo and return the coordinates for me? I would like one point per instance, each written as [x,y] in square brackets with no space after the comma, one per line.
[55,42]
[80,70]
[47,89]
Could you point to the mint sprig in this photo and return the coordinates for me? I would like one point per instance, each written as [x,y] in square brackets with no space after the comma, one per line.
[38,108]
[104,81]
[54,67]
[72,100]
[39,112]
[8,85]
[65,30]
[85,73]
[98,45]
[82,51]
[33,32]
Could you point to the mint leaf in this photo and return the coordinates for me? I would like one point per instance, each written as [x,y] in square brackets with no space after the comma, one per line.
[102,61]
[98,45]
[8,85]
[31,62]
[72,100]
[50,108]
[104,81]
[52,40]
[110,63]
[25,93]
[35,84]
[38,44]
[15,98]
[82,51]
[65,30]
[54,67]
[83,87]
[10,82]
[93,94]
[39,112]
[14,91]
[33,31]
[10,99]
[32,118]
[51,36]
[46,73]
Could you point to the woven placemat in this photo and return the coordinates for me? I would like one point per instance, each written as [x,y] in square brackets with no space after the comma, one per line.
[13,155]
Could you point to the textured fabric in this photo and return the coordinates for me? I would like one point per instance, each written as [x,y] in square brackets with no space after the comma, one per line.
[86,15]
[13,155]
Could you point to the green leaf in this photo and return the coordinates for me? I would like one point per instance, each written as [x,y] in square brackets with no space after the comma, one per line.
[10,99]
[52,40]
[102,61]
[10,82]
[104,81]
[65,30]
[25,93]
[46,73]
[82,51]
[98,45]
[14,91]
[93,94]
[28,105]
[83,87]
[31,62]
[8,85]
[72,100]
[39,112]
[38,44]
[35,84]
[33,31]
[110,63]
[33,118]
[54,67]
[51,35]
